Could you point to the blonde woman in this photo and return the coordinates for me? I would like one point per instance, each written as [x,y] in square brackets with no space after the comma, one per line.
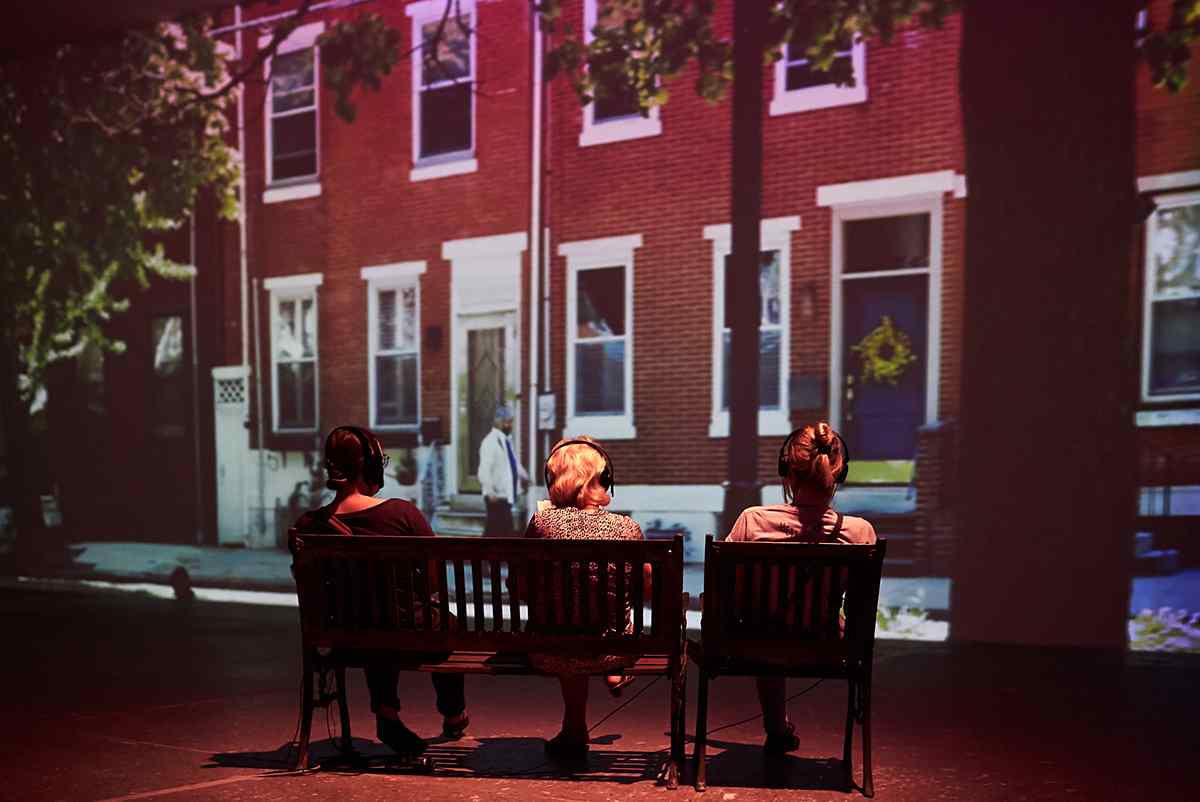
[579,477]
[813,463]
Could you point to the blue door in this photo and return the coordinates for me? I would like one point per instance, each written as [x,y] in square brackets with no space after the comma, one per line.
[885,314]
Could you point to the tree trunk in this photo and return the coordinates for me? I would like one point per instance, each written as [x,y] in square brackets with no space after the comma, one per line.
[1048,459]
[22,464]
[742,309]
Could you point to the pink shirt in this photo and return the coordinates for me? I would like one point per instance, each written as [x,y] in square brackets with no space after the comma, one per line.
[784,523]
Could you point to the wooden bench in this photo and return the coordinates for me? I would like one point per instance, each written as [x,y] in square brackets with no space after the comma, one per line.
[775,609]
[357,597]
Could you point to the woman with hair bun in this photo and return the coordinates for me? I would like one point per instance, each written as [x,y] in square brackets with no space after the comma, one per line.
[577,471]
[354,463]
[812,464]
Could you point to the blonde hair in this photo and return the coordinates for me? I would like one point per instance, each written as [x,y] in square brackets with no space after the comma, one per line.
[813,459]
[574,475]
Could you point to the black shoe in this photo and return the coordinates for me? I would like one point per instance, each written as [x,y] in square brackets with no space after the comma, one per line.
[403,741]
[562,747]
[455,726]
[780,743]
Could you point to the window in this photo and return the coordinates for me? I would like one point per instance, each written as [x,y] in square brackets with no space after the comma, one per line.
[293,128]
[614,115]
[773,414]
[294,351]
[393,318]
[600,336]
[1171,329]
[443,89]
[800,87]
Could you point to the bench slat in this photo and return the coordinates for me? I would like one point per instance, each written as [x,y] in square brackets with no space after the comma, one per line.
[497,600]
[444,596]
[460,592]
[514,601]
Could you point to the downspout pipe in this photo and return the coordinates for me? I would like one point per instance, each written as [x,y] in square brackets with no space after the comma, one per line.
[535,240]
[243,260]
[195,343]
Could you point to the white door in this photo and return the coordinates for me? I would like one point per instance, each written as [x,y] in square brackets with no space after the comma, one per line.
[486,365]
[232,453]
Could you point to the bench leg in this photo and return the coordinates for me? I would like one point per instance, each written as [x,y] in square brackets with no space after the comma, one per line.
[701,744]
[306,711]
[675,760]
[848,748]
[343,709]
[868,785]
[680,756]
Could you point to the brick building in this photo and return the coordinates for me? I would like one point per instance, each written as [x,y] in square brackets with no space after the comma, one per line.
[470,240]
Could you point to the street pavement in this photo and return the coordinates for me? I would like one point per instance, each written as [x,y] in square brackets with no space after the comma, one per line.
[122,696]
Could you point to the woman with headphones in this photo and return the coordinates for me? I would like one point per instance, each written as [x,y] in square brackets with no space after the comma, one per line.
[579,478]
[813,463]
[354,463]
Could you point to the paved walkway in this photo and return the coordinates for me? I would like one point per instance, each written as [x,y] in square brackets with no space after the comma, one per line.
[119,697]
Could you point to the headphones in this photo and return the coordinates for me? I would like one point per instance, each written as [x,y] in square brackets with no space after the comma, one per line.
[374,459]
[840,478]
[607,478]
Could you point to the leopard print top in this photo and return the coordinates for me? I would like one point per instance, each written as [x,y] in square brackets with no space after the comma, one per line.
[576,524]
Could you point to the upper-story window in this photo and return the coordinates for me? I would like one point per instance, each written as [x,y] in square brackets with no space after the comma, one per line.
[600,336]
[394,342]
[773,284]
[614,114]
[800,87]
[293,115]
[294,365]
[443,88]
[1171,326]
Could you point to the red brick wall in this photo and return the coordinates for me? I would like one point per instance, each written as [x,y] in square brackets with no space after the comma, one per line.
[370,212]
[668,187]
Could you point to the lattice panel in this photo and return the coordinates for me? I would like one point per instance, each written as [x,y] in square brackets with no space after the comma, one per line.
[231,391]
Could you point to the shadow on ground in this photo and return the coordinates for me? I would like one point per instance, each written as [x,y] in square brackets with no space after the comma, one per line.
[734,765]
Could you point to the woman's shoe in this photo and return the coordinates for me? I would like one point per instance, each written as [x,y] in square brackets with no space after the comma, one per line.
[615,689]
[780,743]
[399,738]
[455,726]
[563,747]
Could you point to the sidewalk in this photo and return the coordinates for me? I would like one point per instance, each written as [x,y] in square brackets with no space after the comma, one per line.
[270,570]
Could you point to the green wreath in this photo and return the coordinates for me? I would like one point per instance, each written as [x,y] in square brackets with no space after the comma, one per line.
[886,353]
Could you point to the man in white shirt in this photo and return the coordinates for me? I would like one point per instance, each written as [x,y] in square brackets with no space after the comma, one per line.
[499,474]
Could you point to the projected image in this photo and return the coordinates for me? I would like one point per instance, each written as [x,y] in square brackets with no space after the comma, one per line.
[1165,598]
[474,255]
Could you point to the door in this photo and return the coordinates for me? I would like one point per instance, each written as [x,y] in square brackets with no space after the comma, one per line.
[885,350]
[487,352]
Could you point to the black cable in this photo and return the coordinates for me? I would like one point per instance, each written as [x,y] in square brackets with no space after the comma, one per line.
[624,704]
[748,720]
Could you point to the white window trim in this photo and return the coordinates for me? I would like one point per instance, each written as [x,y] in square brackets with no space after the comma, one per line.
[1162,202]
[443,164]
[304,37]
[618,129]
[293,288]
[1188,179]
[897,188]
[776,235]
[399,275]
[931,204]
[823,96]
[587,255]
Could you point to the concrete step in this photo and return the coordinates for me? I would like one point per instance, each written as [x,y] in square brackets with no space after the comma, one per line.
[448,521]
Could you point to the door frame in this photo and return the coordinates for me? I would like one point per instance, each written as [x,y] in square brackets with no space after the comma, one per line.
[463,323]
[920,204]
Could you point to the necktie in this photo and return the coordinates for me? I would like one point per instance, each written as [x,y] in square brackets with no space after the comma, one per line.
[512,466]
